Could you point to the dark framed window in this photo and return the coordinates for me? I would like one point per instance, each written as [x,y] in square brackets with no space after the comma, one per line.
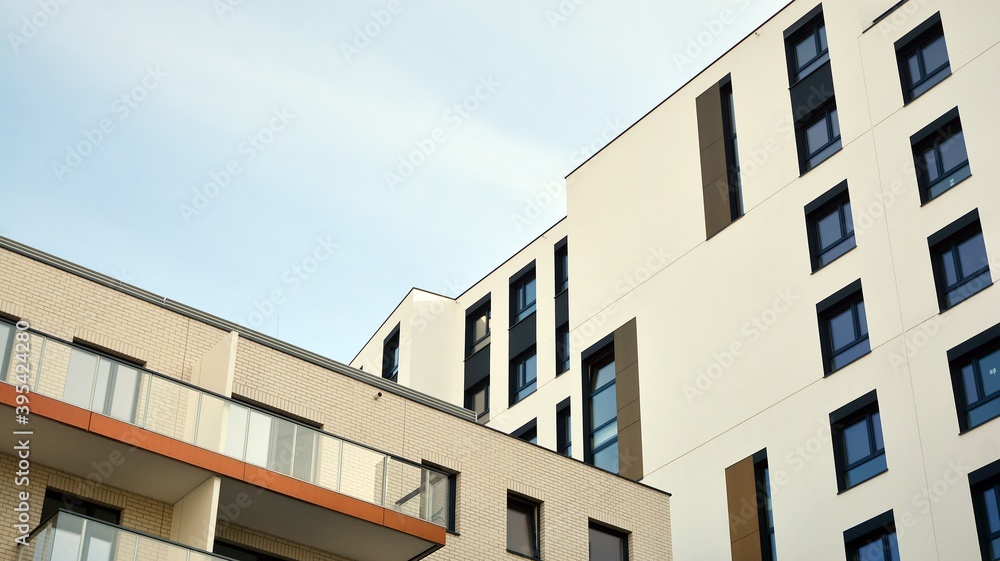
[441,503]
[874,540]
[830,226]
[522,297]
[859,448]
[843,328]
[6,343]
[602,412]
[477,398]
[607,544]
[523,526]
[818,136]
[732,150]
[807,48]
[940,157]
[922,57]
[961,265]
[975,374]
[55,500]
[477,329]
[985,486]
[523,376]
[562,348]
[528,432]
[241,553]
[390,356]
[562,266]
[765,515]
[564,429]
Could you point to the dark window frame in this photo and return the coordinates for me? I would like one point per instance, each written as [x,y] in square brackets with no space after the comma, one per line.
[850,298]
[604,356]
[970,353]
[6,347]
[765,517]
[809,160]
[913,44]
[732,149]
[862,409]
[624,536]
[880,528]
[562,349]
[532,508]
[981,481]
[836,200]
[939,133]
[518,285]
[562,266]
[811,26]
[528,432]
[472,344]
[390,367]
[54,500]
[947,241]
[472,391]
[564,428]
[450,523]
[518,391]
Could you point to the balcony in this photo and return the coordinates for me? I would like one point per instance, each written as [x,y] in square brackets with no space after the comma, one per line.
[270,458]
[66,536]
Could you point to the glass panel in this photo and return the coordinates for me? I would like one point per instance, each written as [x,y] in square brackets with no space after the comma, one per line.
[969,384]
[479,403]
[5,334]
[913,65]
[480,327]
[842,329]
[530,369]
[607,458]
[866,471]
[948,268]
[848,217]
[989,372]
[862,318]
[603,407]
[211,419]
[872,551]
[856,443]
[972,255]
[236,431]
[877,431]
[805,50]
[953,151]
[362,473]
[124,393]
[822,39]
[995,549]
[80,378]
[258,438]
[305,444]
[829,230]
[893,547]
[834,124]
[68,537]
[525,391]
[604,375]
[282,446]
[521,529]
[985,412]
[100,398]
[930,165]
[605,546]
[935,54]
[604,434]
[836,251]
[851,354]
[817,136]
[327,462]
[100,541]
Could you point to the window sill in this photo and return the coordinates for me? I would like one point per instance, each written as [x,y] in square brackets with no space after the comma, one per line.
[970,297]
[523,556]
[821,267]
[561,292]
[934,85]
[860,483]
[826,159]
[925,190]
[832,372]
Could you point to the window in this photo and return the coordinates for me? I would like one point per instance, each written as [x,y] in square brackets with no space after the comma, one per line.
[732,151]
[923,58]
[807,48]
[961,266]
[564,429]
[528,432]
[55,500]
[562,348]
[830,226]
[440,504]
[102,385]
[477,329]
[602,425]
[818,136]
[765,517]
[6,342]
[562,266]
[522,297]
[857,442]
[522,527]
[939,156]
[607,544]
[523,376]
[390,356]
[843,328]
[985,486]
[874,540]
[240,553]
[975,372]
[477,398]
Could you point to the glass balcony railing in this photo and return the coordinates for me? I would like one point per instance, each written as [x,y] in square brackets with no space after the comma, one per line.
[183,412]
[66,536]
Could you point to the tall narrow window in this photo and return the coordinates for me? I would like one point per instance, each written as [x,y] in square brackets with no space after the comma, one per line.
[961,265]
[602,402]
[523,376]
[477,329]
[807,48]
[765,517]
[6,342]
[523,527]
[562,348]
[564,429]
[562,267]
[390,356]
[857,442]
[939,156]
[477,398]
[732,151]
[522,297]
[607,544]
[830,226]
[923,58]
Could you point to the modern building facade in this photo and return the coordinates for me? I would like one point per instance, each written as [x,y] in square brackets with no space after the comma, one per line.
[136,428]
[771,295]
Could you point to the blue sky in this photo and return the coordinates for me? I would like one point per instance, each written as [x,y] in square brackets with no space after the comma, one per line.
[298,166]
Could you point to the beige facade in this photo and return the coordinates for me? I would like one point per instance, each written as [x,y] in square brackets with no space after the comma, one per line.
[730,349]
[168,464]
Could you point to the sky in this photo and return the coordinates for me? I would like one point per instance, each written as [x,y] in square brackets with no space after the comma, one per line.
[296,167]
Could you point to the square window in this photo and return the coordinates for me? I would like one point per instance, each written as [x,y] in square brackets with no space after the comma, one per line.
[562,348]
[523,376]
[843,328]
[985,487]
[961,266]
[922,57]
[939,156]
[477,398]
[975,374]
[522,297]
[807,47]
[522,527]
[818,136]
[859,449]
[477,329]
[390,356]
[874,540]
[607,544]
[830,226]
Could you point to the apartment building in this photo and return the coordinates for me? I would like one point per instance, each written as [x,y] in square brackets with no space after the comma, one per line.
[771,295]
[136,428]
